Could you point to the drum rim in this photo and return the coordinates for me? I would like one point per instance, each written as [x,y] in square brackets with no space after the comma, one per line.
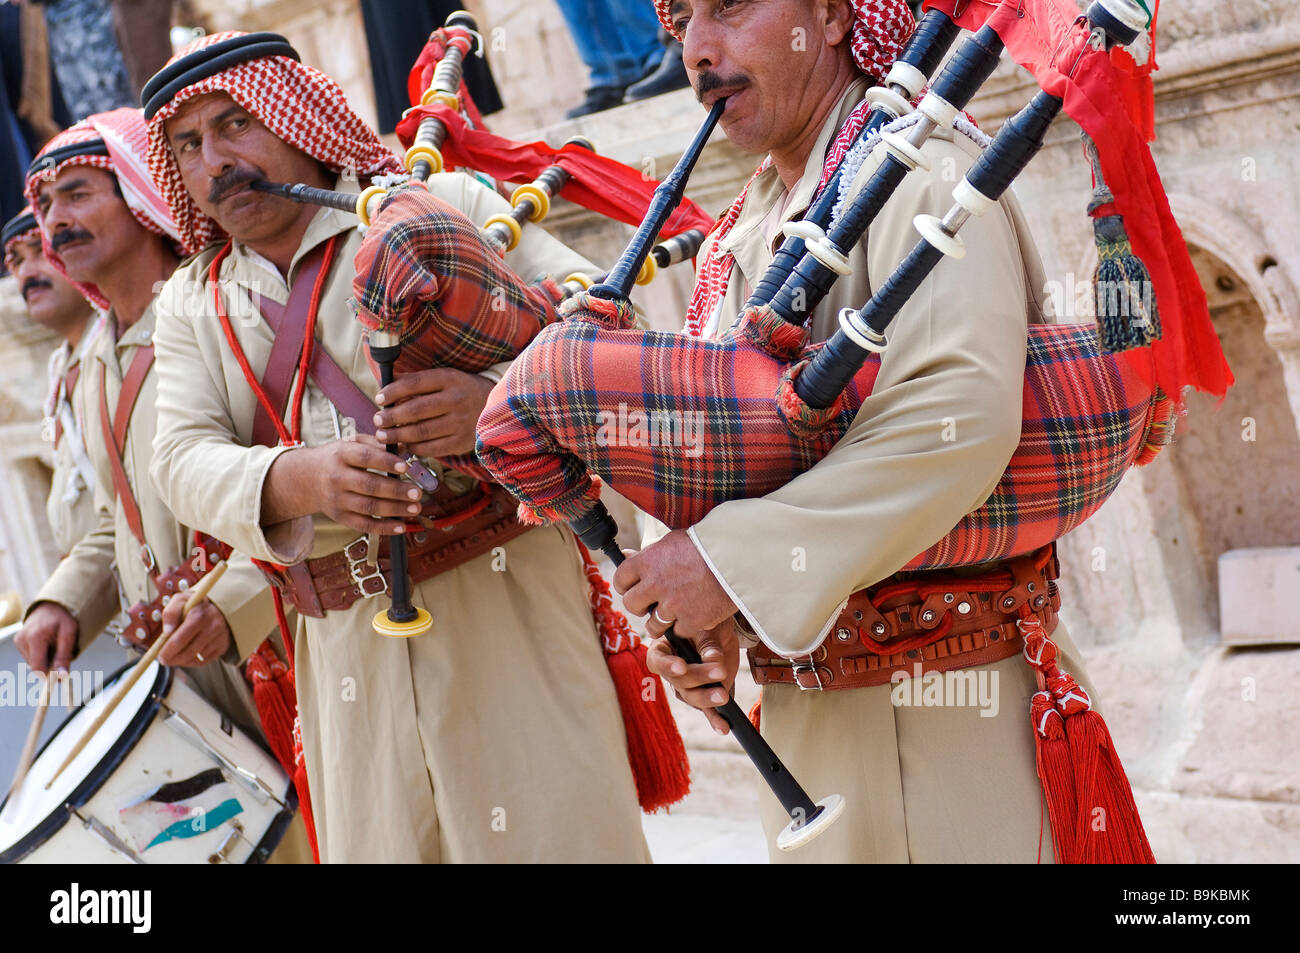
[96,777]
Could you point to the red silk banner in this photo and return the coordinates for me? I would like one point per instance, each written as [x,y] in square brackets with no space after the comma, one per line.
[1046,38]
[598,182]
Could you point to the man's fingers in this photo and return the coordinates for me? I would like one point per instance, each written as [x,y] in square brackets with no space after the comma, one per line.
[626,576]
[377,509]
[419,382]
[367,455]
[449,446]
[718,722]
[364,524]
[65,642]
[413,436]
[386,490]
[417,409]
[639,598]
[179,643]
[661,661]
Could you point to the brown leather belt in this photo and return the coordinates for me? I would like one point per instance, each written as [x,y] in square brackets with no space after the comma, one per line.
[334,582]
[145,618]
[937,620]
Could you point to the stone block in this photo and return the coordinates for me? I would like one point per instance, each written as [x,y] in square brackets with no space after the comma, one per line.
[1214,830]
[1245,725]
[1255,589]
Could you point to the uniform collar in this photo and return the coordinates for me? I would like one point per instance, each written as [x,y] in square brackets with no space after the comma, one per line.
[744,240]
[139,334]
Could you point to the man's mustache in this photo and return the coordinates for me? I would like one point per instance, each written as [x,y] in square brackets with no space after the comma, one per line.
[229,181]
[32,283]
[59,239]
[708,82]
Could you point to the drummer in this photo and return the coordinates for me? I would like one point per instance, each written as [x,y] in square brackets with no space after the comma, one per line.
[57,306]
[110,232]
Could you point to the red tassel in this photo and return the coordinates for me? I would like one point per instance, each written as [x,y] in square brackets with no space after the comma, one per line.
[276,698]
[1109,829]
[756,713]
[1056,775]
[304,794]
[276,701]
[654,746]
[1089,801]
[655,750]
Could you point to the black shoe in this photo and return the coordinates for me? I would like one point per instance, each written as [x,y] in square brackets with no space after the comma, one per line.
[598,98]
[668,76]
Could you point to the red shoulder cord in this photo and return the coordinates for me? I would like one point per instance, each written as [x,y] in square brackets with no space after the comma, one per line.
[293,435]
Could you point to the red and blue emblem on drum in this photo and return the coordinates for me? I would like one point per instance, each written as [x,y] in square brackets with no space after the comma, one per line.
[181,809]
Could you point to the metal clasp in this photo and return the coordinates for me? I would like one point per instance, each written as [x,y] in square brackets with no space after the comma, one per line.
[802,666]
[147,557]
[363,572]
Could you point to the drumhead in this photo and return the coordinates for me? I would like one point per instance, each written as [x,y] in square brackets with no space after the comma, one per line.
[36,814]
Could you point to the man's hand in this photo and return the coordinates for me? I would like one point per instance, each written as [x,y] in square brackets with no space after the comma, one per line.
[433,412]
[49,628]
[672,576]
[720,653]
[335,479]
[202,637]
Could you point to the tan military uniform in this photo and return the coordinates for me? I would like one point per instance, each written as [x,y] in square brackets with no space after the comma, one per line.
[70,507]
[241,595]
[922,783]
[494,737]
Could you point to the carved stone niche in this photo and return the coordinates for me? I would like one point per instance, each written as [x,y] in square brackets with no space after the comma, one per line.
[1228,482]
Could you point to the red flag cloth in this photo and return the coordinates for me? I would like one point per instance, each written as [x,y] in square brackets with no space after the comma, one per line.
[1044,36]
[418,80]
[598,182]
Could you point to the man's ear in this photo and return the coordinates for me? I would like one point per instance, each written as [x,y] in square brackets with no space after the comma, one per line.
[838,22]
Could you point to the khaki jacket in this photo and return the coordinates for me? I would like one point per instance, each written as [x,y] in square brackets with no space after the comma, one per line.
[70,507]
[934,437]
[241,594]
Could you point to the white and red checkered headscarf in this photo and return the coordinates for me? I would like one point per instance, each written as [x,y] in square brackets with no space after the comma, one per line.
[22,227]
[299,104]
[125,136]
[880,28]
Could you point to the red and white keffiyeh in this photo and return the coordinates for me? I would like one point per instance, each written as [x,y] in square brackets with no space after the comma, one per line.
[14,237]
[299,104]
[125,136]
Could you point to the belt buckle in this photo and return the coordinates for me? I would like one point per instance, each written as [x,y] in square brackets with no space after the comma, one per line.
[802,666]
[357,554]
[147,557]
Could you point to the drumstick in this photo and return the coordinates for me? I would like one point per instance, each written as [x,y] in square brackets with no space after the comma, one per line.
[197,594]
[33,734]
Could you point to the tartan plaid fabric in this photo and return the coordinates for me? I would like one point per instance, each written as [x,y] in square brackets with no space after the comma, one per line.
[680,424]
[424,273]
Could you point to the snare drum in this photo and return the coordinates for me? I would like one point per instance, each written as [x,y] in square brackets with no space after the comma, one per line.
[166,779]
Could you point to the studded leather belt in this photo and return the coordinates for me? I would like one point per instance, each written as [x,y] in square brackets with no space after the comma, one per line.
[452,532]
[937,620]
